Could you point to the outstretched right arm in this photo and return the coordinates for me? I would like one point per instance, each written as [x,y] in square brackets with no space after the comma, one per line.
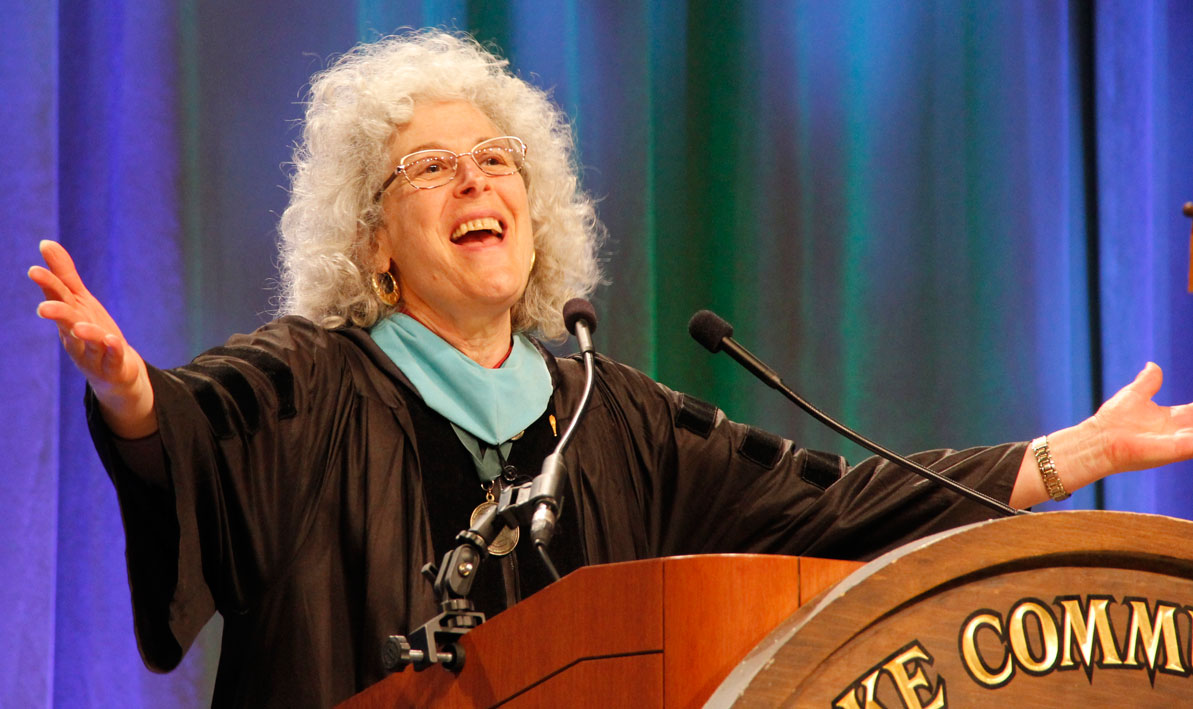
[114,370]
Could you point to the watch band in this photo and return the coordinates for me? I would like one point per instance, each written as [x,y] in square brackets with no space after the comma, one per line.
[1056,489]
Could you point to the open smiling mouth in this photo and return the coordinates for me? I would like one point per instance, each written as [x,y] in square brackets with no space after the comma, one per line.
[478,231]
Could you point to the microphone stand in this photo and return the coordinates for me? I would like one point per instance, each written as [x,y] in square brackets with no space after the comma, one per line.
[436,641]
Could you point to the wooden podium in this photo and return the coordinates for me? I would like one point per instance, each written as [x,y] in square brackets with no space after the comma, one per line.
[1059,609]
[662,632]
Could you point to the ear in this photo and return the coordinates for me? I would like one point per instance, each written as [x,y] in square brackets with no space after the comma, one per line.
[382,257]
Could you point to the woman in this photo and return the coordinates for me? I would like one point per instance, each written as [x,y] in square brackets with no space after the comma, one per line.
[297,478]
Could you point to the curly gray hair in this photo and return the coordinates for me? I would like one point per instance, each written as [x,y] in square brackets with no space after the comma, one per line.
[354,107]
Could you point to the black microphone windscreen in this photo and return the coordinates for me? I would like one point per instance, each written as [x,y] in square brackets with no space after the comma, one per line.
[579,309]
[709,329]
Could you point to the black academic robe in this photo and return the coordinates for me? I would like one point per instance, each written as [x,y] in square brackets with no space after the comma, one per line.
[293,502]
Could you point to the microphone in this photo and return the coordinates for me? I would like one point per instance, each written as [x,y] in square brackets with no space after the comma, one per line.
[712,331]
[715,334]
[580,319]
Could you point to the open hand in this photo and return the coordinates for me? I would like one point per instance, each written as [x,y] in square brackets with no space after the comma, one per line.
[93,341]
[1138,433]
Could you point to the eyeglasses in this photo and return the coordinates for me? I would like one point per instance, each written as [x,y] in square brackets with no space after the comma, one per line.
[428,169]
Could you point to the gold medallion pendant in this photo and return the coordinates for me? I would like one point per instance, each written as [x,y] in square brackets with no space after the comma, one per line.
[507,540]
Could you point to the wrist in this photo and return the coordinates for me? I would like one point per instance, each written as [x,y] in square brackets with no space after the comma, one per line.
[129,410]
[1078,455]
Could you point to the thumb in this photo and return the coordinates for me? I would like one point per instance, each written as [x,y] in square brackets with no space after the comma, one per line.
[1147,382]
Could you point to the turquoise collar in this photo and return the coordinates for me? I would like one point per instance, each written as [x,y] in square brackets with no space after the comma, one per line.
[492,404]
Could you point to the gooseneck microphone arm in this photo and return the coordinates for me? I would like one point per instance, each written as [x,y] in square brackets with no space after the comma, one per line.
[580,319]
[715,334]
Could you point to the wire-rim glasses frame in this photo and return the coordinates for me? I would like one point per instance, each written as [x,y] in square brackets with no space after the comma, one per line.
[428,169]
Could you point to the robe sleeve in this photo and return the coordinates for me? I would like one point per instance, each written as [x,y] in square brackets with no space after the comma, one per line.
[242,475]
[709,485]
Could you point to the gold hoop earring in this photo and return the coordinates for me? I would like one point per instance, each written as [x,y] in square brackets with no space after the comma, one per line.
[386,288]
[533,255]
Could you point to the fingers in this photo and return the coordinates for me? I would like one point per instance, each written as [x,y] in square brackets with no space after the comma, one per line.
[51,286]
[75,346]
[62,314]
[98,354]
[82,338]
[93,360]
[66,317]
[1183,415]
[60,282]
[113,357]
[85,342]
[89,335]
[90,332]
[67,300]
[62,265]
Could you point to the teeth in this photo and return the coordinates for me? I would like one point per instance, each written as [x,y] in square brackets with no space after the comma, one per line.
[482,224]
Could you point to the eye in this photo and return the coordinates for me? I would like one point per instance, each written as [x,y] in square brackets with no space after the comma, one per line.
[427,167]
[495,157]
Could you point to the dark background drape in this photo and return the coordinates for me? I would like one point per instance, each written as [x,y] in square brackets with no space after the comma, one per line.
[950,223]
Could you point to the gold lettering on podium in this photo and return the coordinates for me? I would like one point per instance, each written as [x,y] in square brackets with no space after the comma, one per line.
[1017,633]
[1084,626]
[868,686]
[1145,633]
[1036,638]
[982,673]
[908,684]
[1087,636]
[905,668]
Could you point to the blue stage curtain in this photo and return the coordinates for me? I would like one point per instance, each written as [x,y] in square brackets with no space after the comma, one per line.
[1144,66]
[951,222]
[29,372]
[91,159]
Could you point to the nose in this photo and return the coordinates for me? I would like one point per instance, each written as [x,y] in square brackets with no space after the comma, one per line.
[469,177]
